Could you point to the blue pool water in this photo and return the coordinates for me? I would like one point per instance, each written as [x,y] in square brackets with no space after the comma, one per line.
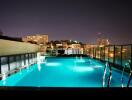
[64,72]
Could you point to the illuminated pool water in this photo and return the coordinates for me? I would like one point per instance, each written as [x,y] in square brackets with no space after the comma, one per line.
[64,72]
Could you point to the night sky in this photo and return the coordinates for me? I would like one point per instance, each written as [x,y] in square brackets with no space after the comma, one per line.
[68,19]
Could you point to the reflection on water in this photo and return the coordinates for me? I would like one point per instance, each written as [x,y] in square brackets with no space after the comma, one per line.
[53,64]
[39,66]
[82,69]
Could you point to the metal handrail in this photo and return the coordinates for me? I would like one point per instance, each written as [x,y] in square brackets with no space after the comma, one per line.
[130,77]
[127,65]
[107,65]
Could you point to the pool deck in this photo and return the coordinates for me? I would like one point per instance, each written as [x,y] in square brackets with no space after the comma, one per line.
[58,92]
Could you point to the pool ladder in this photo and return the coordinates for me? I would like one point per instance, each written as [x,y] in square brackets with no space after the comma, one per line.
[127,65]
[107,65]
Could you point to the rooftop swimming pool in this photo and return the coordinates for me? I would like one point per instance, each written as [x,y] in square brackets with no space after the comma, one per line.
[64,72]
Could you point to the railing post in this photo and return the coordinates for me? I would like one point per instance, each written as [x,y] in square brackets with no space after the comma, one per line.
[91,52]
[121,54]
[36,57]
[8,62]
[95,52]
[0,65]
[24,57]
[99,53]
[108,52]
[131,56]
[20,60]
[114,55]
[14,60]
[104,53]
[28,59]
[0,69]
[32,57]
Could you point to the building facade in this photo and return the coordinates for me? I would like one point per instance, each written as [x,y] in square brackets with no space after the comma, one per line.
[38,39]
[102,41]
[70,47]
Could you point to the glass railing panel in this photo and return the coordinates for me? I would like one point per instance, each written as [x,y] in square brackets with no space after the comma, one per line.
[98,53]
[126,54]
[12,62]
[111,54]
[118,55]
[102,53]
[106,53]
[4,65]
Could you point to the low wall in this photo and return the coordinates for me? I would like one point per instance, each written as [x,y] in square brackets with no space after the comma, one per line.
[8,47]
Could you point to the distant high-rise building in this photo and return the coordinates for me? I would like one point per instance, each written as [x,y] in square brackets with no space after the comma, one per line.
[38,39]
[101,40]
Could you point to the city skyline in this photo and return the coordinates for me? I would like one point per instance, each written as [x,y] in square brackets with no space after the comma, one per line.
[79,20]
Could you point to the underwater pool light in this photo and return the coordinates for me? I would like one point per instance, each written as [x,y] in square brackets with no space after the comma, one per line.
[53,64]
[98,66]
[80,61]
[82,69]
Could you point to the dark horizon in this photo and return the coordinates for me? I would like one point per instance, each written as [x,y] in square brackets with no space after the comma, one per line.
[79,20]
